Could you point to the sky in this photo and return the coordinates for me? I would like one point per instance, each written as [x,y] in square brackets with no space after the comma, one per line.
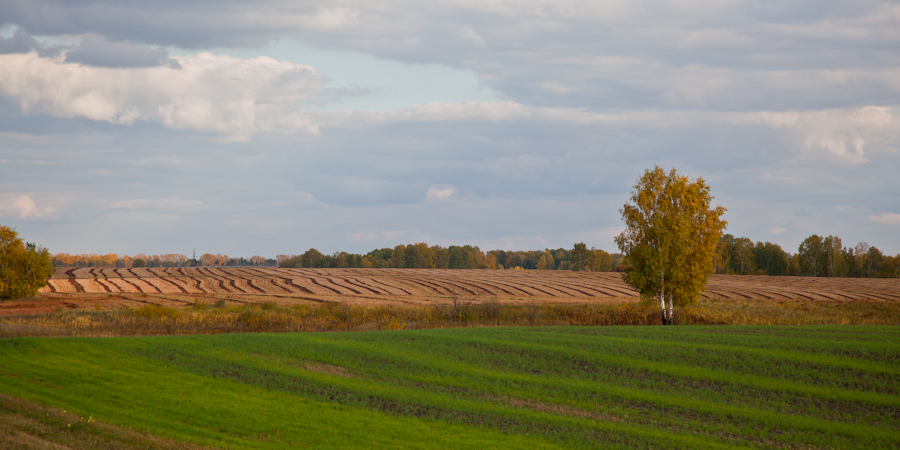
[271,127]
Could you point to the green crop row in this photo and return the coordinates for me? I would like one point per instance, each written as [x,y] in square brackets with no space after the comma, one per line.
[609,387]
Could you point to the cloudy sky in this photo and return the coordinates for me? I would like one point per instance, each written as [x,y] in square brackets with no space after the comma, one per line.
[269,127]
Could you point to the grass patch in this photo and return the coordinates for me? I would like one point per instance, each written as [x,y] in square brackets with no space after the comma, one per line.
[570,387]
[26,424]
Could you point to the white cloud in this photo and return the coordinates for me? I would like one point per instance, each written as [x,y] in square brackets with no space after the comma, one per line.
[886,218]
[24,207]
[434,194]
[777,230]
[840,135]
[210,93]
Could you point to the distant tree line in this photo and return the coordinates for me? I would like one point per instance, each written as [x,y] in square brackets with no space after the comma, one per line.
[423,256]
[162,260]
[816,257]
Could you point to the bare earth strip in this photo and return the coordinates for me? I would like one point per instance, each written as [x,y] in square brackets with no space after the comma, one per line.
[420,286]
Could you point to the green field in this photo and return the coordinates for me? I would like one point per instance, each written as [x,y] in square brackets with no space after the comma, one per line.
[610,387]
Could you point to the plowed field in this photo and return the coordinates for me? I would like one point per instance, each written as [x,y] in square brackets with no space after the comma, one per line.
[414,286]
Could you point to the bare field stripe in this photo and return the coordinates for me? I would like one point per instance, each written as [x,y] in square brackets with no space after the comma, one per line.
[499,285]
[348,286]
[474,285]
[241,274]
[138,288]
[715,408]
[536,285]
[271,279]
[360,284]
[434,288]
[381,284]
[170,282]
[315,282]
[435,284]
[700,373]
[103,283]
[433,281]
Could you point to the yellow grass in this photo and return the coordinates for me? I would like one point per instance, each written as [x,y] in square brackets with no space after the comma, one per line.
[219,317]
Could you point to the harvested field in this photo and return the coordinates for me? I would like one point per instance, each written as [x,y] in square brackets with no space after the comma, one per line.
[417,286]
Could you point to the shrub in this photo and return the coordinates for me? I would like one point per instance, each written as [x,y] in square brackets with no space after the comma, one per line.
[24,268]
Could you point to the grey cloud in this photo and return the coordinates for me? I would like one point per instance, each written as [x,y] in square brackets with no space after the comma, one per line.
[734,56]
[96,50]
[664,75]
[19,42]
[525,178]
[195,24]
[22,42]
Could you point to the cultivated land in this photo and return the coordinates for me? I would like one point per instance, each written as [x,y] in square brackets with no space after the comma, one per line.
[134,302]
[477,385]
[78,288]
[611,387]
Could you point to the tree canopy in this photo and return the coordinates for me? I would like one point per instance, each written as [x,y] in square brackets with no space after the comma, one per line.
[24,268]
[670,237]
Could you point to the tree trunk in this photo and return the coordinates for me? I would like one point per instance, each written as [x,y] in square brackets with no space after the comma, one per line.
[671,313]
[662,299]
[662,307]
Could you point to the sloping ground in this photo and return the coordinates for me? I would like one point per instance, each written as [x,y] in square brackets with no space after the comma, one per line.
[397,284]
[685,387]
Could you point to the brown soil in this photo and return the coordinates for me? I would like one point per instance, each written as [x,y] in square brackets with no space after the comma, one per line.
[109,288]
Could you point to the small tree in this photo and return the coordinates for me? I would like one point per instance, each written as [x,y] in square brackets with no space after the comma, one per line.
[24,268]
[813,256]
[580,257]
[670,238]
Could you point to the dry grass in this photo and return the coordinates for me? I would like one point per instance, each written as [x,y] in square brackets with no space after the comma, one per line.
[219,317]
[121,302]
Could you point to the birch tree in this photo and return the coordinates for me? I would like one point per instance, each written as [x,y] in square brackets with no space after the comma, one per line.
[670,238]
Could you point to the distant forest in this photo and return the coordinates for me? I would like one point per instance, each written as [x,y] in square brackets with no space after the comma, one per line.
[816,257]
[423,256]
